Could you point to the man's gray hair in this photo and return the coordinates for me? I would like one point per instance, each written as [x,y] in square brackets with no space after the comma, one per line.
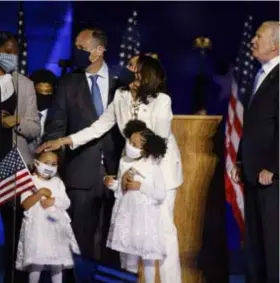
[275,28]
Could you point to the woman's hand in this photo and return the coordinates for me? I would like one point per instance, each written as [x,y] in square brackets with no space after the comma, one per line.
[48,202]
[54,144]
[45,192]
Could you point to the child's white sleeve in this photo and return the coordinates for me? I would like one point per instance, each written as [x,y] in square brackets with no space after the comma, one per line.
[118,182]
[154,186]
[62,201]
[114,186]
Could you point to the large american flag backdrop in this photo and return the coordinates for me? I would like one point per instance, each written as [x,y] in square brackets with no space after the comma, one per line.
[243,75]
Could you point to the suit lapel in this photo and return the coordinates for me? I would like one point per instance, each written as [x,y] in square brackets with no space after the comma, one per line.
[15,81]
[83,98]
[273,73]
[111,88]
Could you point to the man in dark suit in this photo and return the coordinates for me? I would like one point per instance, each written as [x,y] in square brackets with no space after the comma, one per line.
[81,97]
[258,161]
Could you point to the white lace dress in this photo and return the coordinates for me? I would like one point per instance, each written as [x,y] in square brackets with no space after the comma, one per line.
[46,236]
[135,224]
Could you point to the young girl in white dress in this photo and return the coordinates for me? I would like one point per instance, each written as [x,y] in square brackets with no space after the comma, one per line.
[46,237]
[136,230]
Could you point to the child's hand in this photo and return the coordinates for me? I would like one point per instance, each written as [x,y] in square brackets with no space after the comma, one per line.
[48,202]
[127,177]
[109,180]
[133,186]
[45,192]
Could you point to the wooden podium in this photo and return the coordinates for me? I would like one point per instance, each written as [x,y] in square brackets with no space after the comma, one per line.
[194,135]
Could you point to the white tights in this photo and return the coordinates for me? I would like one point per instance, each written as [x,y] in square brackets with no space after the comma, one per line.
[130,263]
[35,273]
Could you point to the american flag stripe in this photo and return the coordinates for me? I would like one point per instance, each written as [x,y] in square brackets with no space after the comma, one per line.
[9,182]
[15,184]
[13,194]
[234,192]
[15,177]
[242,78]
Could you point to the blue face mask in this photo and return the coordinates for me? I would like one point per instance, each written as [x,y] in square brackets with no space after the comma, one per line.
[8,62]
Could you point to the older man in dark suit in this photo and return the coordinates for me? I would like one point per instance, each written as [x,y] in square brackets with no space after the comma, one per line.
[258,160]
[81,98]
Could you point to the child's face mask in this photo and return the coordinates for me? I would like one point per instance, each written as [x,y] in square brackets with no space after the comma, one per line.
[132,152]
[44,170]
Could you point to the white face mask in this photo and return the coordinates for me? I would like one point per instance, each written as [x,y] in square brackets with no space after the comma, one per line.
[132,152]
[44,170]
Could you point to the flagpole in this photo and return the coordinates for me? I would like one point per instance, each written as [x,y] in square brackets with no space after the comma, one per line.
[15,142]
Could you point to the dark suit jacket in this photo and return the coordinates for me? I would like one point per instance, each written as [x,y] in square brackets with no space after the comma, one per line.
[72,111]
[259,146]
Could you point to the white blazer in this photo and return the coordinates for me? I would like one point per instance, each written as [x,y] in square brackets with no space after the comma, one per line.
[157,115]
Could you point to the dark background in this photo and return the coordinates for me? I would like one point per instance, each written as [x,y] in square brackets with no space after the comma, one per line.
[168,29]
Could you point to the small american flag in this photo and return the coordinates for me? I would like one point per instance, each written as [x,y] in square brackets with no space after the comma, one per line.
[243,75]
[130,45]
[22,44]
[15,177]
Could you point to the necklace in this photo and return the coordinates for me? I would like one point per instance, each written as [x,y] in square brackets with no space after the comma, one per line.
[135,105]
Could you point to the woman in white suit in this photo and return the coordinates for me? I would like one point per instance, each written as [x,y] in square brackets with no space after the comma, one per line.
[144,99]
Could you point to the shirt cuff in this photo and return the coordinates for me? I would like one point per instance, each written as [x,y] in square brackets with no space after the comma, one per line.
[74,144]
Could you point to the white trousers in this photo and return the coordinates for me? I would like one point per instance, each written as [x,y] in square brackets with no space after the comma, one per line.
[170,269]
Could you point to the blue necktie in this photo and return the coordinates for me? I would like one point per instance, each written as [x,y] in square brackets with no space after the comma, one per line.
[96,95]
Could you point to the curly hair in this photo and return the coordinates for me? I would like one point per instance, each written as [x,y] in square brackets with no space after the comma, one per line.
[153,145]
[152,78]
[133,126]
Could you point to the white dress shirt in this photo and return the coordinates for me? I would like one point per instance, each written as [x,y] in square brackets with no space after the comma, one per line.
[265,70]
[102,81]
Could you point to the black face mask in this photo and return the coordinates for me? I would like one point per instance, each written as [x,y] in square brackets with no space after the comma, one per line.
[126,77]
[44,101]
[81,58]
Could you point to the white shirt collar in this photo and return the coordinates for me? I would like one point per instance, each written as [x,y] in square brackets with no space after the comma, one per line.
[270,65]
[6,87]
[103,71]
